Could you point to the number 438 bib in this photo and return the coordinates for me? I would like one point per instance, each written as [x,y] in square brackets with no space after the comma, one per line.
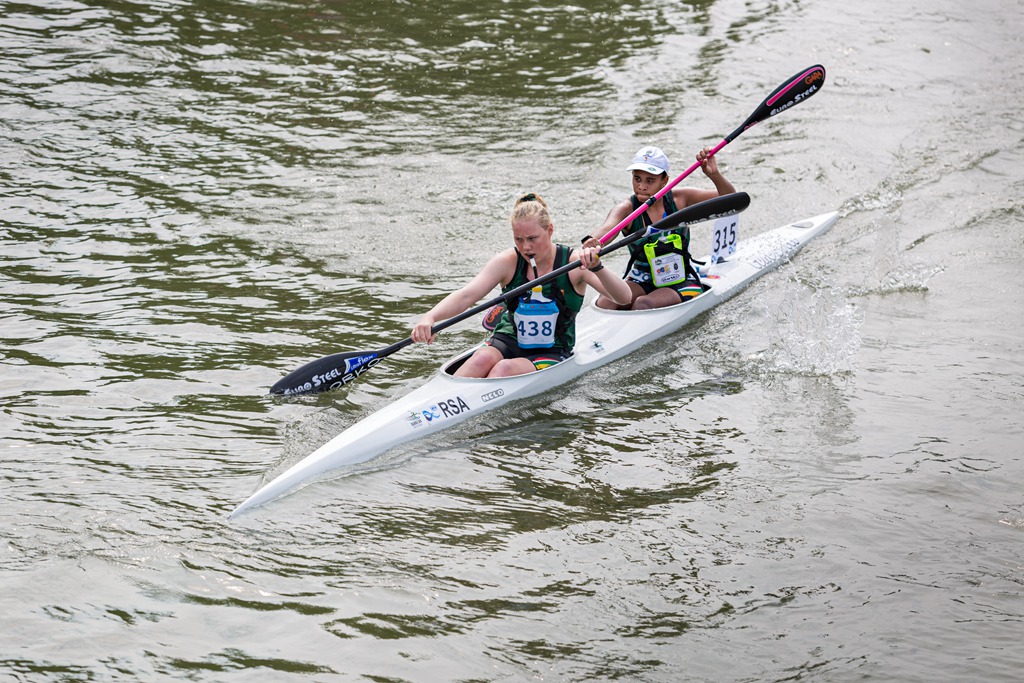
[535,323]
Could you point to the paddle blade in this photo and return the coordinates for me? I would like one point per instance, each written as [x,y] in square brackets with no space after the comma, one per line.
[329,372]
[791,93]
[492,317]
[714,208]
[711,209]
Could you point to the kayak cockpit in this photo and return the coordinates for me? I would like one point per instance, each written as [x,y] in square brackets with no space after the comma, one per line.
[596,326]
[454,364]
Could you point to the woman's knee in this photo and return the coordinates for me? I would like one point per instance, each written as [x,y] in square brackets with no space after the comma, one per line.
[509,367]
[643,303]
[480,363]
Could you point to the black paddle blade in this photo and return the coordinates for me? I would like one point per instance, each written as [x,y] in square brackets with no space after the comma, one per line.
[791,93]
[708,210]
[329,372]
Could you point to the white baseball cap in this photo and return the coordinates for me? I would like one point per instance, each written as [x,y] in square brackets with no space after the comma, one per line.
[650,159]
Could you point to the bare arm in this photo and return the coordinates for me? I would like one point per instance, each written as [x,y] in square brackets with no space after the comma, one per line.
[496,271]
[603,280]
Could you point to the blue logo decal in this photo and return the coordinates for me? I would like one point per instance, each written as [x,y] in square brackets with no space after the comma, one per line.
[353,363]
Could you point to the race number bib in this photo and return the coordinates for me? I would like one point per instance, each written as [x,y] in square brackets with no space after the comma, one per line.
[535,324]
[667,270]
[723,238]
[668,267]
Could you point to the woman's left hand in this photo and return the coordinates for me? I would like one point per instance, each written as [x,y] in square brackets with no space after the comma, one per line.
[708,163]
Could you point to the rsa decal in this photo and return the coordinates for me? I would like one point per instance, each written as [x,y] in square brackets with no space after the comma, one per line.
[444,409]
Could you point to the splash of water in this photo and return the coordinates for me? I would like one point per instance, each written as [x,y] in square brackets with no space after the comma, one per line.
[812,331]
[911,277]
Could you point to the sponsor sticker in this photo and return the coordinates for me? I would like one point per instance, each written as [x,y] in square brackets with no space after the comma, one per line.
[490,396]
[449,407]
[353,363]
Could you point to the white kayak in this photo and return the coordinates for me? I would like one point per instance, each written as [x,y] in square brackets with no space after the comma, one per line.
[601,337]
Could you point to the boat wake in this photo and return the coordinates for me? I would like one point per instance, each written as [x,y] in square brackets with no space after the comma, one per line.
[811,332]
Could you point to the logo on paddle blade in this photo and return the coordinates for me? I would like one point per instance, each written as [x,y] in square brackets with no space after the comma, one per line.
[354,363]
[336,377]
[797,99]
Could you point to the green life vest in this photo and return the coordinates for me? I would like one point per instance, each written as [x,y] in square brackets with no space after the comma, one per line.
[559,290]
[667,258]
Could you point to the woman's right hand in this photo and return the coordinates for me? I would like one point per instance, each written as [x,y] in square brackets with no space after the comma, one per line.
[590,258]
[421,332]
[707,162]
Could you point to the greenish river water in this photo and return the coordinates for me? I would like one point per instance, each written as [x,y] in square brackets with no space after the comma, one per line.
[817,481]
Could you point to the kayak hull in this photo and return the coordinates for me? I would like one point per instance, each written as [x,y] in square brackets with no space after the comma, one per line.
[601,337]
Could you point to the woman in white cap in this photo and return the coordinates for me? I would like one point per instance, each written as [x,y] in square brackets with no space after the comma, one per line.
[538,329]
[659,272]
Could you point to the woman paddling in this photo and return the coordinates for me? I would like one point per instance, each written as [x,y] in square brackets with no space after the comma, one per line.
[539,329]
[659,272]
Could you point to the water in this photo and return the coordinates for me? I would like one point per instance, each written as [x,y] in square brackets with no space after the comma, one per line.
[820,480]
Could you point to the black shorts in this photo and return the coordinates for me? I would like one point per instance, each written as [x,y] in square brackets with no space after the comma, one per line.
[541,358]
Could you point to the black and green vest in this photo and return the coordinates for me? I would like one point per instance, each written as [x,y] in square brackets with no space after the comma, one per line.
[559,290]
[637,253]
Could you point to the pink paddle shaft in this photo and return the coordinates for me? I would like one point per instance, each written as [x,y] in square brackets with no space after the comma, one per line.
[797,89]
[658,195]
